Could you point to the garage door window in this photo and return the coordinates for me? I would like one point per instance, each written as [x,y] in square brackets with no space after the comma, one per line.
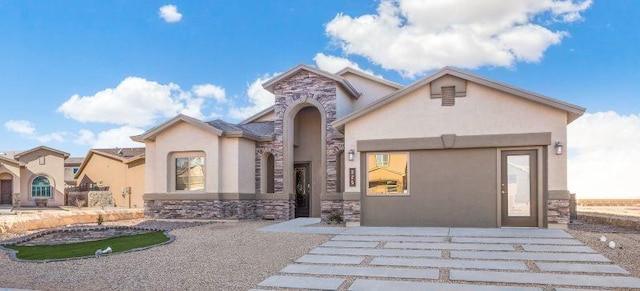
[387,174]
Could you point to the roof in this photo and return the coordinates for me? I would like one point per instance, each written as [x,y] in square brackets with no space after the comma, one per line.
[45,148]
[73,161]
[368,76]
[258,115]
[124,155]
[258,131]
[573,111]
[11,161]
[150,135]
[269,85]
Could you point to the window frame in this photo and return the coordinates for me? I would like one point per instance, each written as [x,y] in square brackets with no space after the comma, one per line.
[31,191]
[389,154]
[173,187]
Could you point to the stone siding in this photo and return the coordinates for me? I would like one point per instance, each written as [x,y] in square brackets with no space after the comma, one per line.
[330,207]
[99,198]
[200,209]
[558,211]
[351,211]
[275,209]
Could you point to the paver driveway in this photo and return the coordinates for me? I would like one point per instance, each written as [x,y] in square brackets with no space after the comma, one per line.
[417,258]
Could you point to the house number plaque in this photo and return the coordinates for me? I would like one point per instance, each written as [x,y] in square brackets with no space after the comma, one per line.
[352,177]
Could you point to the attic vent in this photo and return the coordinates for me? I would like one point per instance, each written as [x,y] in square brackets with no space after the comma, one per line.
[448,96]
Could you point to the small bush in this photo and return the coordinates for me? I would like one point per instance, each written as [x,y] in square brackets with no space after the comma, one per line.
[100,219]
[336,218]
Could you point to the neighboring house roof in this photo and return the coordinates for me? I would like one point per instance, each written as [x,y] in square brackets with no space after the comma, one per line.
[11,161]
[153,132]
[258,115]
[45,148]
[573,111]
[269,85]
[369,76]
[124,155]
[73,161]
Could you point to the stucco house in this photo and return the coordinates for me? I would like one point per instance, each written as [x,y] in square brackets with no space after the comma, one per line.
[32,177]
[121,170]
[451,149]
[71,167]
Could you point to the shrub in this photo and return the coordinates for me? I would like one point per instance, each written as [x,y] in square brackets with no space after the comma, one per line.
[100,219]
[336,218]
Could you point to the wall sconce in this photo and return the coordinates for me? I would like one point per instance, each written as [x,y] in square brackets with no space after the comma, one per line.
[558,146]
[352,154]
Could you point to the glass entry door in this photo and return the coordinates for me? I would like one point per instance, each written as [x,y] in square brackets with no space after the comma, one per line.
[519,188]
[302,185]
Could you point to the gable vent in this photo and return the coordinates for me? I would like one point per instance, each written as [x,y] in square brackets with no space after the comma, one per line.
[448,96]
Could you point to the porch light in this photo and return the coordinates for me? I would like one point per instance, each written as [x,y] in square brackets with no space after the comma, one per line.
[558,147]
[352,154]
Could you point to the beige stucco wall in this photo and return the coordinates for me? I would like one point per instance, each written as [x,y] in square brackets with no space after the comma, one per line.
[370,90]
[482,111]
[307,148]
[271,115]
[52,169]
[229,162]
[106,171]
[11,172]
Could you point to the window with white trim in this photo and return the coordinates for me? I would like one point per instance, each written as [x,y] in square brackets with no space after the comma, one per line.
[41,187]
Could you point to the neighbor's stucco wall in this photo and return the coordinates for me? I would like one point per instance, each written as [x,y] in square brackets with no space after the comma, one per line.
[53,169]
[104,171]
[181,137]
[482,111]
[135,180]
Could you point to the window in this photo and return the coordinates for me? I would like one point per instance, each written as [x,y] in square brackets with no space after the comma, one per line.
[387,173]
[75,170]
[189,173]
[41,187]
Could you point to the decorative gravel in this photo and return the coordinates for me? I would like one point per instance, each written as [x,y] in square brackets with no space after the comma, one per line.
[627,251]
[221,256]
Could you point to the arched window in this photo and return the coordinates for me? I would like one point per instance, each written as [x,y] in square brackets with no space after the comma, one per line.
[41,187]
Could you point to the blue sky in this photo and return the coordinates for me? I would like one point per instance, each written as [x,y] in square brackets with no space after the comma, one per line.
[124,61]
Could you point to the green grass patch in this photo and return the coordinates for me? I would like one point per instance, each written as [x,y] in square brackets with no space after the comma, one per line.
[82,249]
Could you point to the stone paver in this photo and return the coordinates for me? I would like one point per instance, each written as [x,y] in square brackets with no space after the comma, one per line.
[581,268]
[443,263]
[302,282]
[408,231]
[351,244]
[376,252]
[362,271]
[449,246]
[538,278]
[379,238]
[552,248]
[341,260]
[511,240]
[379,285]
[572,257]
[509,232]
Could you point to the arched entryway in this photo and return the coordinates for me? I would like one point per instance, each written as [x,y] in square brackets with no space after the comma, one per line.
[6,188]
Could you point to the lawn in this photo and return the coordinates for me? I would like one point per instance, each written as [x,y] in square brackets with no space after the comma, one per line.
[82,249]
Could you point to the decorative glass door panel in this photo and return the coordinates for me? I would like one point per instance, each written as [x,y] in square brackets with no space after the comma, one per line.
[519,188]
[302,187]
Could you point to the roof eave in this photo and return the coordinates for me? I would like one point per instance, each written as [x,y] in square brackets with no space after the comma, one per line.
[370,77]
[150,135]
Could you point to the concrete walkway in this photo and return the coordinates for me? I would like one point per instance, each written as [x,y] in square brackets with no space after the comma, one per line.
[425,258]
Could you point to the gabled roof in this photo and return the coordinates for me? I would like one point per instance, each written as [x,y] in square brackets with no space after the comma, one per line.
[342,81]
[153,132]
[250,130]
[258,115]
[4,159]
[573,111]
[73,161]
[368,76]
[124,155]
[45,148]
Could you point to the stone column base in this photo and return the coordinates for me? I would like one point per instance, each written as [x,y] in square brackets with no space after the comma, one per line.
[558,211]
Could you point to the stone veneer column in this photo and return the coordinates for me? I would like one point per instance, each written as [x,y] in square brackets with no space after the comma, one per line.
[558,211]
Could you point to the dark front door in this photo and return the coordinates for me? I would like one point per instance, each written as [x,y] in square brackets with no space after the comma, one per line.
[519,188]
[303,189]
[5,191]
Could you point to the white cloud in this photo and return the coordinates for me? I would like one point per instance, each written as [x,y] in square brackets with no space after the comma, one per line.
[604,155]
[259,99]
[209,91]
[135,102]
[414,36]
[115,137]
[170,13]
[28,130]
[20,126]
[333,64]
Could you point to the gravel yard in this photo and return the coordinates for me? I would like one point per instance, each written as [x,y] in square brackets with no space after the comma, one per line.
[221,256]
[627,251]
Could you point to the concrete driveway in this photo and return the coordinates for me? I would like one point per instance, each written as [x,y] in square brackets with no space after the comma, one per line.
[422,258]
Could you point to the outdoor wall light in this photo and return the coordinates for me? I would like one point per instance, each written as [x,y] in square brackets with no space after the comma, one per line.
[558,147]
[352,154]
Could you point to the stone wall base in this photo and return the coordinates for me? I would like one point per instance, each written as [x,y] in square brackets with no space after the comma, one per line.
[219,209]
[275,209]
[558,211]
[348,209]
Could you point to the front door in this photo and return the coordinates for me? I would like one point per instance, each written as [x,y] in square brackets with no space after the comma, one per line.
[519,188]
[5,191]
[303,189]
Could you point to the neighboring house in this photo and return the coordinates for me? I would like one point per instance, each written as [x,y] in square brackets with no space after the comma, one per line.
[451,149]
[32,177]
[71,167]
[119,169]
